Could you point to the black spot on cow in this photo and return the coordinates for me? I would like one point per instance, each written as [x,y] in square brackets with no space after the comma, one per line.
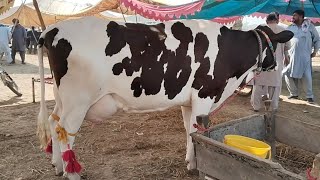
[57,55]
[116,39]
[237,53]
[200,48]
[149,55]
[230,61]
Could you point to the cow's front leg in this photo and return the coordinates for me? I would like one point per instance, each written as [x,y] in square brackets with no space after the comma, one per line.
[186,115]
[199,107]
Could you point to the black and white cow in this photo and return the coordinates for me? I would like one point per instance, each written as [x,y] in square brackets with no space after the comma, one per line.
[102,66]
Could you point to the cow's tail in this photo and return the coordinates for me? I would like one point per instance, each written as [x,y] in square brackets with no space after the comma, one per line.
[43,130]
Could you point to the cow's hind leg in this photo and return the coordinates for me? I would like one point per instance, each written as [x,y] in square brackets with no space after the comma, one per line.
[72,116]
[53,120]
[199,107]
[56,153]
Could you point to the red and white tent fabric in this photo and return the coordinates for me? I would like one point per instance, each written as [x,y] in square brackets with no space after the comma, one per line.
[227,20]
[162,13]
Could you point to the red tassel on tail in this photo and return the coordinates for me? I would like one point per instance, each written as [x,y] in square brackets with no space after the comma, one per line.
[68,155]
[72,164]
[49,147]
[309,176]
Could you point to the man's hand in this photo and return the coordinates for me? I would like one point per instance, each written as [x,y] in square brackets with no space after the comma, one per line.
[313,54]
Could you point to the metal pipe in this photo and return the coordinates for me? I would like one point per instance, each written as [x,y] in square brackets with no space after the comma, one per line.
[33,94]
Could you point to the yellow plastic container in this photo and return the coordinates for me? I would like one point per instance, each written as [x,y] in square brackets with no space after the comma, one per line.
[249,145]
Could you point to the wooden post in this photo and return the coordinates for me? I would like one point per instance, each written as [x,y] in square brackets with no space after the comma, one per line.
[43,26]
[35,4]
[270,131]
[33,94]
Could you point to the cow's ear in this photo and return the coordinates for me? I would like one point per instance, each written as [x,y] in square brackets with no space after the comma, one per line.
[223,29]
[283,36]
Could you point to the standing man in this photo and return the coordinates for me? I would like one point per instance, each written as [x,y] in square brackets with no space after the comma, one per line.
[19,37]
[33,35]
[299,70]
[267,85]
[5,36]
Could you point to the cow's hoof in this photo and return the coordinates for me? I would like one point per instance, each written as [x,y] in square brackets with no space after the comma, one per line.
[192,165]
[58,168]
[59,174]
[72,176]
[193,172]
[59,171]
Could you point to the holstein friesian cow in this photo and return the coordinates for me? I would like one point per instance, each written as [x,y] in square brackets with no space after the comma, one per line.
[100,67]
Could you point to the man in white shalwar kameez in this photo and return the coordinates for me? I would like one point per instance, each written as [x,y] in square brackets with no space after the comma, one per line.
[299,70]
[5,36]
[268,84]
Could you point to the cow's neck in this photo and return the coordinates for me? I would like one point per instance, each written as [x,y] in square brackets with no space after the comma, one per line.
[237,56]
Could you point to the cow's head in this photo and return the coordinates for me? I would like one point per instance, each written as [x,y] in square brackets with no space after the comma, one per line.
[269,62]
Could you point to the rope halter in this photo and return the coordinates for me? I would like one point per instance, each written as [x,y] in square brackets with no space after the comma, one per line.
[259,68]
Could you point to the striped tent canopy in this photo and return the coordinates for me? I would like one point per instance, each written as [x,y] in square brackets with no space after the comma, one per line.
[76,8]
[162,12]
[27,16]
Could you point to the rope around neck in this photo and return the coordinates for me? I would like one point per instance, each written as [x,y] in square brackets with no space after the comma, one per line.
[259,68]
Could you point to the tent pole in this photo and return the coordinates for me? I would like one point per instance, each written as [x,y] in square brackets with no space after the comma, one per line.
[35,4]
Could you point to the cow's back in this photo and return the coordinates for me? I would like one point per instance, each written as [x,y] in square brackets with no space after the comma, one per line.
[134,62]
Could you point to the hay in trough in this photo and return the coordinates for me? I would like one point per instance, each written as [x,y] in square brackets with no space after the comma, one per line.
[294,159]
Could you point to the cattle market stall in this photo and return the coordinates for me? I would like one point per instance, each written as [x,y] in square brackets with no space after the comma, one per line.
[216,160]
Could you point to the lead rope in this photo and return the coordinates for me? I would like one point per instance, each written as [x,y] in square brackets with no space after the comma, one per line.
[259,68]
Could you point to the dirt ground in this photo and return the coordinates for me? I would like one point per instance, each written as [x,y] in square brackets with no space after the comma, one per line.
[126,146]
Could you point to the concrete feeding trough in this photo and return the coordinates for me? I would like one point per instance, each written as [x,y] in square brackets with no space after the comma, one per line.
[215,160]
